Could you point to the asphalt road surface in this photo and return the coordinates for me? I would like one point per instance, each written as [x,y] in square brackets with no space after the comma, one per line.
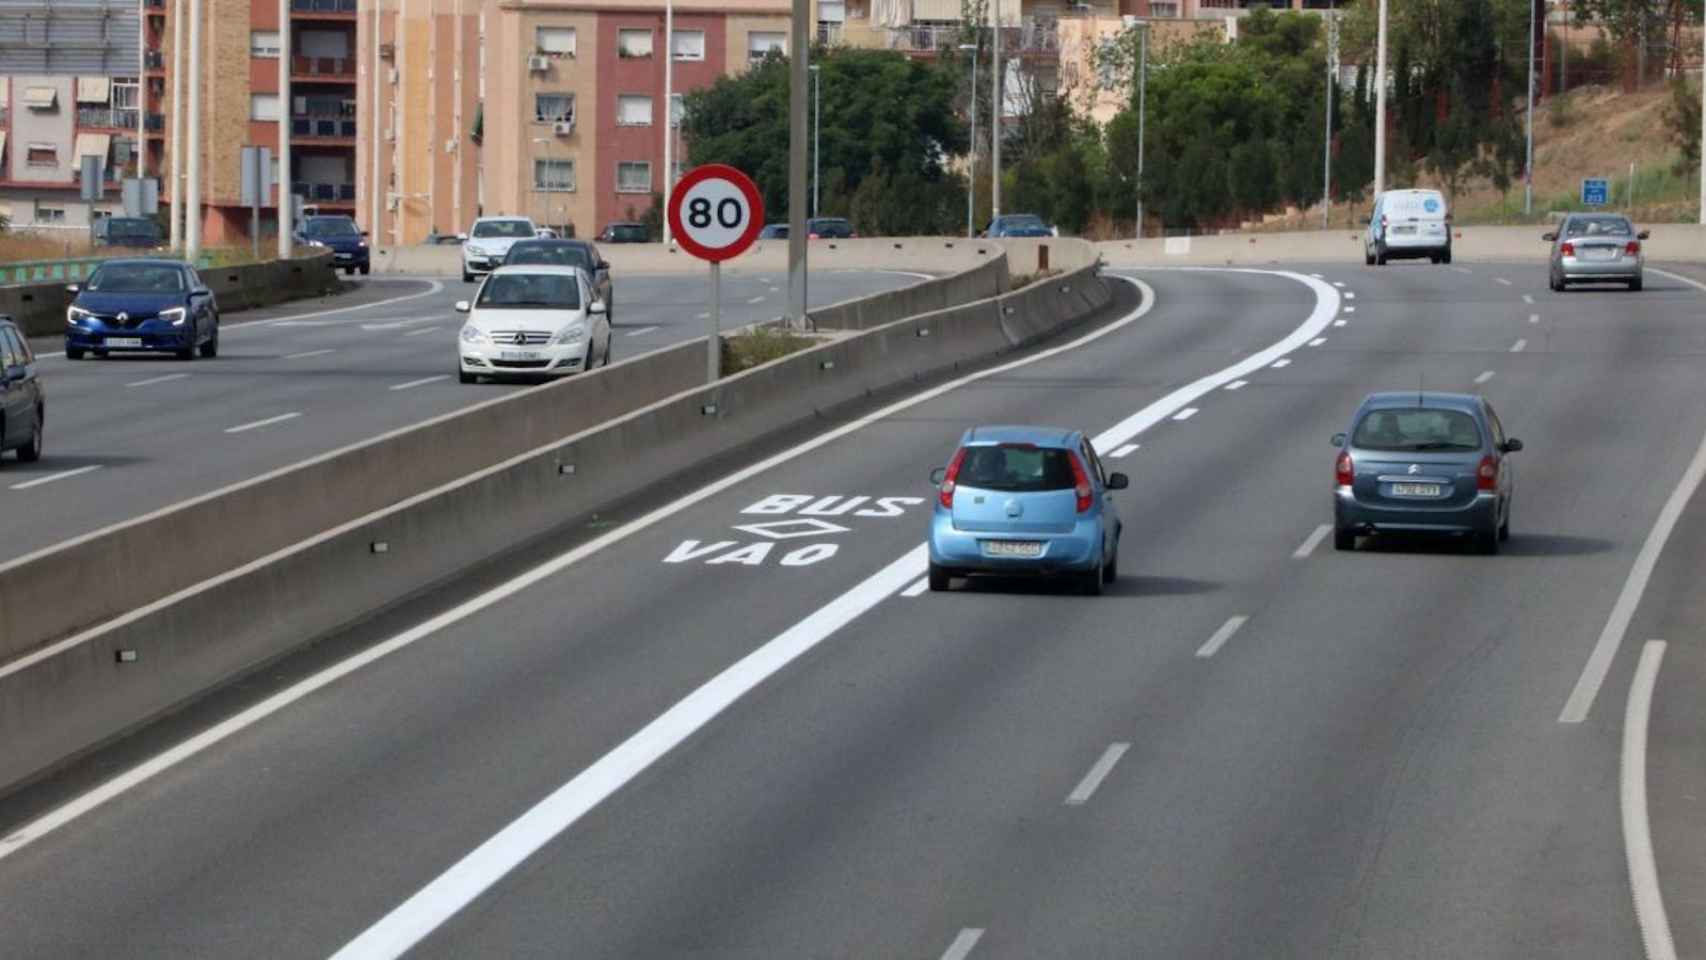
[1254,746]
[135,433]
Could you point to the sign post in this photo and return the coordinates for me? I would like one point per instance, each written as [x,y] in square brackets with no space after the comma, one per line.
[715,213]
[255,183]
[1596,191]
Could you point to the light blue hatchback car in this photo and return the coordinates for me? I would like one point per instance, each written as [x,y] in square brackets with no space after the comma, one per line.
[1022,501]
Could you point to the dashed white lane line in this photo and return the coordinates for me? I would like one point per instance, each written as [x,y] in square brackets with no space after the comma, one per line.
[640,332]
[963,944]
[153,380]
[1463,269]
[1125,451]
[1316,276]
[1501,280]
[310,353]
[1237,384]
[1350,310]
[54,477]
[421,382]
[1534,318]
[1528,298]
[1098,772]
[1338,323]
[1282,363]
[1317,341]
[703,316]
[246,427]
[1517,346]
[416,333]
[1222,635]
[1349,295]
[1637,832]
[1185,414]
[1484,377]
[756,300]
[1314,540]
[1339,283]
[917,589]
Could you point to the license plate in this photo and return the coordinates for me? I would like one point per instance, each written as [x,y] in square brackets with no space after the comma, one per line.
[520,355]
[1415,489]
[1599,253]
[124,341]
[1013,548]
[1405,231]
[344,256]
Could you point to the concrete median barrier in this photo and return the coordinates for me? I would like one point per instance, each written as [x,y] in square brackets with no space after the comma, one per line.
[64,698]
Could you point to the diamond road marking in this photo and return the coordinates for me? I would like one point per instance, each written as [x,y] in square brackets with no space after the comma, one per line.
[789,529]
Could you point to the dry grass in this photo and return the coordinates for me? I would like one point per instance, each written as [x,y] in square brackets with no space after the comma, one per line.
[1019,281]
[23,246]
[743,351]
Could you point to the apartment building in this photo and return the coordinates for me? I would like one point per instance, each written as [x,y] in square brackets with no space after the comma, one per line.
[70,87]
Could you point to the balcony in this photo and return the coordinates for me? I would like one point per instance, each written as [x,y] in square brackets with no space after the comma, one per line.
[334,9]
[155,4]
[1034,36]
[339,193]
[322,68]
[106,118]
[154,59]
[156,123]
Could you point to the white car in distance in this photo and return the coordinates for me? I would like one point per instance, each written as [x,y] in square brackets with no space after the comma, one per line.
[535,320]
[488,241]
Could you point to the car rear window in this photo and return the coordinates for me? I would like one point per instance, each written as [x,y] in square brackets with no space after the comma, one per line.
[1016,467]
[562,255]
[503,228]
[1415,429]
[331,227]
[1598,227]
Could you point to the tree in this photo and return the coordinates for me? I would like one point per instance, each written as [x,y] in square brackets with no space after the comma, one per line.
[1682,121]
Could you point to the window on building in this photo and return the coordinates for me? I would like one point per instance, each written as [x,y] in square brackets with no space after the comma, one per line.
[50,214]
[634,176]
[41,98]
[264,44]
[555,41]
[677,109]
[633,43]
[263,106]
[41,155]
[553,107]
[689,44]
[633,110]
[761,42]
[831,11]
[554,176]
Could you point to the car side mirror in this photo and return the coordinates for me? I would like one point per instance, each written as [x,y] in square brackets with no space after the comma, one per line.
[462,306]
[1643,235]
[604,264]
[1512,445]
[1118,481]
[1549,237]
[1368,220]
[72,288]
[937,476]
[599,307]
[1338,439]
[364,233]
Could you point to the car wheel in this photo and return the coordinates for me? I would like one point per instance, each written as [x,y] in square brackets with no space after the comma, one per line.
[31,452]
[1552,281]
[349,271]
[1344,538]
[467,277]
[73,353]
[1635,285]
[188,353]
[366,269]
[1367,258]
[939,578]
[210,349]
[466,377]
[1505,526]
[102,354]
[1433,258]
[1446,256]
[1380,257]
[1090,582]
[1111,572]
[1487,542]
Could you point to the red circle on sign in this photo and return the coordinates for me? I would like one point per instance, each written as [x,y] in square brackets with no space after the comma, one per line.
[741,182]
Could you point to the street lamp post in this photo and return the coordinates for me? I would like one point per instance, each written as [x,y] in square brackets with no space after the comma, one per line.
[1327,149]
[971,174]
[1142,106]
[817,123]
[1528,161]
[669,108]
[1380,105]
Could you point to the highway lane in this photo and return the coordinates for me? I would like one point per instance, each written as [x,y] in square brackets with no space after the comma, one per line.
[1369,765]
[132,434]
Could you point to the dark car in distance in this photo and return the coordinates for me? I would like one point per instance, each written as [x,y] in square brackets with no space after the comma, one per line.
[1018,225]
[568,253]
[829,228]
[626,233]
[347,242]
[139,306]
[142,233]
[23,410]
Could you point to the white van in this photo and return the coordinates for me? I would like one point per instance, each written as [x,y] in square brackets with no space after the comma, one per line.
[1408,223]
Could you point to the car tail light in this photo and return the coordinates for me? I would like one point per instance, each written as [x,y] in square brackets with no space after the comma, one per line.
[812,236]
[1568,249]
[1342,470]
[948,479]
[1080,483]
[1632,248]
[1383,221]
[1487,475]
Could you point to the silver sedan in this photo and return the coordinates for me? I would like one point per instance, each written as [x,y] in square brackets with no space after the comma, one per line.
[1596,248]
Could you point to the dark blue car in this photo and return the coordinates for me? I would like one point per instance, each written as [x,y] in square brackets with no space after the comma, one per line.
[347,242]
[132,306]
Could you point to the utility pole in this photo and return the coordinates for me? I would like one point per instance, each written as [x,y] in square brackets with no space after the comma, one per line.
[375,190]
[1528,162]
[141,97]
[799,51]
[1327,141]
[669,108]
[284,195]
[1703,115]
[1380,105]
[971,177]
[995,112]
[192,209]
[177,160]
[817,122]
[1142,106]
[1564,53]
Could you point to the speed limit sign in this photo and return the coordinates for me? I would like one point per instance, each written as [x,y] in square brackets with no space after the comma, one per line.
[715,212]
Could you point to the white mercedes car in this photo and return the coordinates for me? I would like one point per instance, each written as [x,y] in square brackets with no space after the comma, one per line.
[486,244]
[534,320]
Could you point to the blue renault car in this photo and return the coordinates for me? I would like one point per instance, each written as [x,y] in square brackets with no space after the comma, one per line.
[142,306]
[1424,463]
[347,242]
[1018,501]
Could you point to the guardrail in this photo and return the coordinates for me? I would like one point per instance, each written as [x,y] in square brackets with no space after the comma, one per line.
[67,270]
[225,615]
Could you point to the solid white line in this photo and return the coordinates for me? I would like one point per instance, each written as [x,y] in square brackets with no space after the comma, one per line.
[434,288]
[1501,280]
[1124,451]
[1282,364]
[262,423]
[1611,637]
[416,333]
[1462,269]
[167,378]
[916,589]
[963,944]
[52,477]
[1517,346]
[1637,833]
[420,383]
[1534,318]
[1237,384]
[1484,377]
[1222,635]
[1185,414]
[1680,278]
[1097,774]
[1313,541]
[756,300]
[1317,341]
[640,332]
[311,353]
[1528,298]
